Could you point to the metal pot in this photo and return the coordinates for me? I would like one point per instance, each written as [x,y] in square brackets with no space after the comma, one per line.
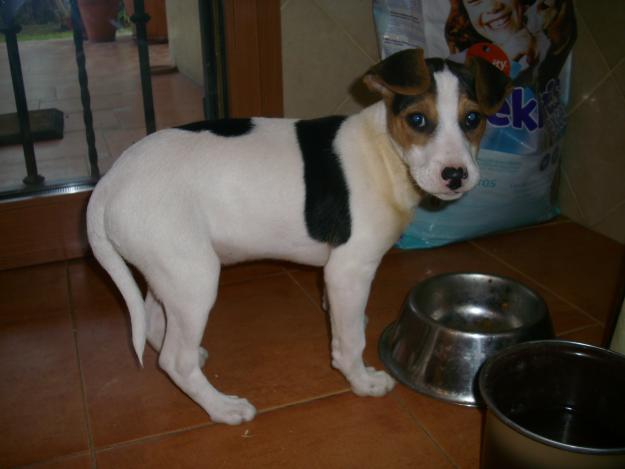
[554,404]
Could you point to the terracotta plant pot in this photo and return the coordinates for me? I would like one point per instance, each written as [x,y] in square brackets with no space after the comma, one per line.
[156,28]
[99,18]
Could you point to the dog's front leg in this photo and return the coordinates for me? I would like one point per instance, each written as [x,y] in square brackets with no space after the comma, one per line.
[347,287]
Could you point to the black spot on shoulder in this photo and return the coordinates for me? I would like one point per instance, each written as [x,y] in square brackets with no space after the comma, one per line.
[327,212]
[221,127]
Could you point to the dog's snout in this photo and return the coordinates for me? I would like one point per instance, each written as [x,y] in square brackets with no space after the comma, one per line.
[454,176]
[455,173]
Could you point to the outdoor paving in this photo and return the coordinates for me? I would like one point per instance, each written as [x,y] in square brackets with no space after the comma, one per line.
[51,81]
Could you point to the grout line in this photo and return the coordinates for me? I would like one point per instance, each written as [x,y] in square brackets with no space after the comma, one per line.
[549,290]
[416,421]
[209,423]
[155,436]
[340,105]
[567,182]
[608,214]
[576,329]
[583,98]
[343,30]
[328,395]
[83,392]
[305,292]
[560,220]
[586,96]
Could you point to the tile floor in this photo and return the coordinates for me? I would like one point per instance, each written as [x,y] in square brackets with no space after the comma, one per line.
[72,395]
[51,81]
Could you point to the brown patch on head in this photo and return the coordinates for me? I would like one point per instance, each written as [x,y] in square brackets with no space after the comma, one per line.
[405,72]
[401,125]
[491,85]
[467,106]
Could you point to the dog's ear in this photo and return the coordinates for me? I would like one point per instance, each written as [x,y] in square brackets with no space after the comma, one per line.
[405,72]
[492,86]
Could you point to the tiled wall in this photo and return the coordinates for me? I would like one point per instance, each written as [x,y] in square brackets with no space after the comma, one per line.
[592,191]
[327,45]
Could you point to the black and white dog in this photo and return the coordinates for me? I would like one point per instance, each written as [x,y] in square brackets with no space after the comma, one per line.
[335,192]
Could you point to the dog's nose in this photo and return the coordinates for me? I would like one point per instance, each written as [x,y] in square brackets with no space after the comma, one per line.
[454,176]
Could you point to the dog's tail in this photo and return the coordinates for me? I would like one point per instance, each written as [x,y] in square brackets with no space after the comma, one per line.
[114,264]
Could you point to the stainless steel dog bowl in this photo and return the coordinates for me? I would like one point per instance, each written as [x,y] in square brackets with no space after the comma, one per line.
[451,323]
[554,404]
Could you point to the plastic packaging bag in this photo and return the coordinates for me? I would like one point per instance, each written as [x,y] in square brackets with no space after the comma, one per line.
[519,159]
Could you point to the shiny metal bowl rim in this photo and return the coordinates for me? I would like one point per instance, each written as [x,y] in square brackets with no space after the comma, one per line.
[398,372]
[492,407]
[508,332]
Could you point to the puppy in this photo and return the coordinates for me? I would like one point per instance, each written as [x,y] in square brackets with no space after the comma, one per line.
[335,192]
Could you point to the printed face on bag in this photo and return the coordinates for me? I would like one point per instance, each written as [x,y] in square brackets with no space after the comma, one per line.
[495,20]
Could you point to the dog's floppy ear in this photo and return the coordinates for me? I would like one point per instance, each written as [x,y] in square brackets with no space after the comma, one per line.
[405,72]
[491,84]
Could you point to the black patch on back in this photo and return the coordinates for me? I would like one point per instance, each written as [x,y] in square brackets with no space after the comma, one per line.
[221,127]
[327,214]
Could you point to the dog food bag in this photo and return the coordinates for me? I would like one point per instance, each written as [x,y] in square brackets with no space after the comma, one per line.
[530,40]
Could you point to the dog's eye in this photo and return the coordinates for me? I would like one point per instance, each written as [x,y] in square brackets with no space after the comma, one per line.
[472,120]
[417,120]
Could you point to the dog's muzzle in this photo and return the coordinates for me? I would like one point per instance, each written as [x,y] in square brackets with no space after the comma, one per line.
[454,176]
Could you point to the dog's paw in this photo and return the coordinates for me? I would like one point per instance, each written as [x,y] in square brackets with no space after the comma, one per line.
[372,383]
[232,410]
[203,356]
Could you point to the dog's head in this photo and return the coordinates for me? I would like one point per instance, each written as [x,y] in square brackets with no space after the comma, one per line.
[436,115]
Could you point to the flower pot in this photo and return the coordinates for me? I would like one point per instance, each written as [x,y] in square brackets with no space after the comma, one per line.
[99,18]
[156,28]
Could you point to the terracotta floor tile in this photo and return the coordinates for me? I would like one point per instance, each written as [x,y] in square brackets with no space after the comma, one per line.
[41,406]
[91,287]
[311,281]
[33,292]
[269,343]
[455,428]
[124,400]
[82,461]
[338,432]
[572,261]
[249,271]
[266,341]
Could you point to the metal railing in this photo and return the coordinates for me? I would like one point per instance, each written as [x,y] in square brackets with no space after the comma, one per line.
[214,80]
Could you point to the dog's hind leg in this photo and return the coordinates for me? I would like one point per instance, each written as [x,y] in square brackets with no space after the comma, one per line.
[155,322]
[347,285]
[188,290]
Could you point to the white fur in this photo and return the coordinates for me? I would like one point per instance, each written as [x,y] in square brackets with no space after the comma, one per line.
[178,204]
[448,147]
